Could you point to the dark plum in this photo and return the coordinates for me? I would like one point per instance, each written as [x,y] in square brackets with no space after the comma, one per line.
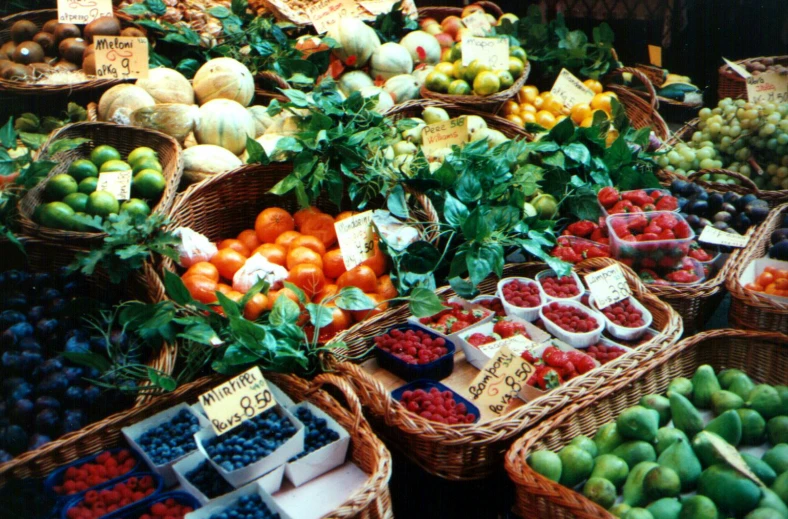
[54,384]
[91,395]
[98,344]
[41,280]
[680,187]
[757,213]
[730,196]
[702,195]
[742,202]
[16,300]
[703,223]
[723,226]
[47,402]
[29,361]
[14,333]
[38,440]
[23,411]
[15,439]
[22,390]
[119,339]
[11,383]
[779,235]
[49,294]
[48,367]
[727,207]
[36,313]
[741,223]
[698,207]
[57,306]
[73,374]
[10,317]
[30,344]
[71,288]
[73,420]
[779,251]
[715,202]
[723,216]
[74,395]
[48,421]
[47,327]
[76,345]
[11,360]
[693,220]
[5,456]
[79,333]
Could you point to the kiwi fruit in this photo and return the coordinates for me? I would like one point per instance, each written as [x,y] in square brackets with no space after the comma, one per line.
[63,31]
[89,51]
[3,64]
[104,26]
[15,71]
[47,42]
[73,50]
[132,31]
[65,66]
[7,50]
[50,26]
[23,30]
[28,52]
[89,65]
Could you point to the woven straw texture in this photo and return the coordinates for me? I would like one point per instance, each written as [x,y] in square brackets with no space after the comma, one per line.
[124,139]
[467,452]
[23,88]
[641,107]
[732,84]
[763,356]
[441,12]
[295,10]
[371,501]
[753,310]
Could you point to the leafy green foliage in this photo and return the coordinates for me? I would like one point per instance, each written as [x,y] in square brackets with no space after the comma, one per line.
[392,26]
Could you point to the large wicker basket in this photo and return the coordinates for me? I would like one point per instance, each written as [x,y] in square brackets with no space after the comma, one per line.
[474,451]
[732,84]
[763,356]
[754,310]
[124,139]
[371,501]
[641,108]
[440,12]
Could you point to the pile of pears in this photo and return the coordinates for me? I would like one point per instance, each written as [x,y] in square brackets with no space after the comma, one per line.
[674,456]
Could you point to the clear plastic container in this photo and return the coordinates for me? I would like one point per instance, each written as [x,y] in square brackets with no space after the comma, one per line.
[649,191]
[604,341]
[582,244]
[467,305]
[426,385]
[435,370]
[529,314]
[624,332]
[480,300]
[632,253]
[697,267]
[576,340]
[549,273]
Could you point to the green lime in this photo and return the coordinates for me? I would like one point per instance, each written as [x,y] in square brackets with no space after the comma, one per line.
[37,213]
[78,226]
[456,52]
[486,83]
[88,185]
[102,203]
[148,183]
[59,186]
[57,215]
[135,206]
[76,201]
[475,68]
[437,82]
[505,78]
[146,163]
[114,165]
[103,153]
[519,53]
[141,153]
[459,87]
[516,66]
[82,169]
[459,69]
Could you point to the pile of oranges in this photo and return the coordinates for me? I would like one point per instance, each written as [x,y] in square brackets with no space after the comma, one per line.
[305,244]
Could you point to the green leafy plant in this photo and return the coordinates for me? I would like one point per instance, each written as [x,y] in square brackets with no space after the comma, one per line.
[395,24]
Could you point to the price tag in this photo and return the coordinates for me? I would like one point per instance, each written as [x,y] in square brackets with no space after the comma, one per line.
[325,13]
[116,182]
[655,55]
[731,456]
[377,7]
[517,344]
[502,378]
[570,90]
[608,286]
[237,400]
[767,87]
[356,237]
[119,57]
[477,22]
[444,134]
[493,52]
[740,70]
[715,236]
[80,12]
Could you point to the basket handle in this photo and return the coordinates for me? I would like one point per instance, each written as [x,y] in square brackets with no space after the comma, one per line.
[274,78]
[344,387]
[652,93]
[491,8]
[748,183]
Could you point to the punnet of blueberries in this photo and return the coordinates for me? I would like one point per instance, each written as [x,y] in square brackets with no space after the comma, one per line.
[316,432]
[205,479]
[170,440]
[247,507]
[251,441]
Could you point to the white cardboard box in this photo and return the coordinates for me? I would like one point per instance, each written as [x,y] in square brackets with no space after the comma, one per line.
[227,500]
[477,357]
[323,494]
[454,336]
[322,460]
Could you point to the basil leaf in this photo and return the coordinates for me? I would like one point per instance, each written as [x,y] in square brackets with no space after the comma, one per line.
[423,302]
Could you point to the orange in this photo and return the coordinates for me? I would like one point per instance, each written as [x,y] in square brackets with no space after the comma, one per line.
[594,85]
[201,288]
[555,106]
[300,255]
[223,288]
[333,264]
[380,307]
[602,102]
[340,319]
[301,215]
[255,307]
[527,107]
[538,103]
[528,117]
[205,269]
[307,277]
[310,242]
[386,288]
[511,107]
[273,295]
[514,118]
[232,295]
[235,245]
[344,214]
[273,253]
[580,111]
[377,262]
[527,94]
[322,227]
[545,119]
[249,239]
[362,277]
[228,261]
[271,223]
[329,290]
[286,238]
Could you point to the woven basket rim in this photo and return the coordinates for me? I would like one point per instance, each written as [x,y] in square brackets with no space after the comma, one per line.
[456,11]
[729,74]
[645,104]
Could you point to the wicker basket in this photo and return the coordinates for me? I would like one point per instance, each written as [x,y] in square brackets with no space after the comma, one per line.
[753,310]
[641,107]
[474,451]
[372,501]
[441,12]
[732,84]
[538,496]
[23,88]
[262,93]
[124,139]
[294,11]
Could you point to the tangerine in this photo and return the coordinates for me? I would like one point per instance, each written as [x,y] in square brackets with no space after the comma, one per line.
[228,261]
[329,290]
[362,277]
[249,239]
[301,215]
[205,269]
[236,245]
[300,255]
[255,307]
[307,277]
[386,288]
[322,227]
[594,85]
[223,288]
[333,263]
[272,222]
[273,253]
[344,215]
[273,295]
[310,242]
[377,262]
[286,238]
[201,288]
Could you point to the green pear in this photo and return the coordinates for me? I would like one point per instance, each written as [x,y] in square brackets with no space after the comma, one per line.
[722,401]
[780,486]
[638,423]
[432,115]
[753,427]
[726,376]
[685,416]
[682,460]
[783,391]
[576,465]
[704,384]
[731,491]
[760,468]
[773,501]
[633,488]
[546,463]
[607,438]
[667,436]
[727,426]
[611,468]
[661,482]
[660,404]
[704,448]
[765,513]
[741,385]
[766,400]
[665,508]
[638,513]
[777,458]
[585,443]
[680,385]
[620,509]
[600,491]
[635,452]
[698,507]
[777,430]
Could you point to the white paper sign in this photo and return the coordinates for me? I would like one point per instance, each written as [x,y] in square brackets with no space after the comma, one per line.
[444,134]
[608,286]
[767,87]
[493,52]
[325,13]
[239,399]
[121,57]
[356,237]
[116,182]
[715,236]
[740,70]
[477,22]
[517,344]
[570,90]
[502,378]
[377,7]
[80,12]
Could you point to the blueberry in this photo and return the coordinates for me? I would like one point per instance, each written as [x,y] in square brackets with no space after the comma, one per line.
[48,367]
[98,344]
[49,294]
[316,433]
[247,507]
[119,339]
[170,440]
[38,440]
[29,360]
[15,333]
[40,280]
[73,374]
[208,481]
[71,288]
[36,313]
[10,317]
[47,421]
[57,306]
[15,439]
[11,360]
[73,420]
[23,412]
[16,300]
[5,457]
[47,402]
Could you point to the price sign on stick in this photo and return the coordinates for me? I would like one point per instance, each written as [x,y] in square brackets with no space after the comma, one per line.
[377,7]
[570,90]
[116,182]
[121,57]
[608,286]
[237,400]
[767,87]
[444,134]
[356,237]
[517,344]
[739,69]
[717,237]
[655,55]
[477,22]
[493,52]
[502,378]
[325,13]
[81,12]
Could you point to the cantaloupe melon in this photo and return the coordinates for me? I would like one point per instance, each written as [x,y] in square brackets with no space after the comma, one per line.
[261,119]
[389,60]
[224,78]
[166,85]
[385,102]
[119,102]
[205,160]
[174,119]
[354,81]
[225,123]
[423,47]
[357,41]
[403,87]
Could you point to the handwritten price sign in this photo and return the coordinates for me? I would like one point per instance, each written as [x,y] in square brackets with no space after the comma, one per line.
[82,12]
[717,237]
[477,22]
[500,381]
[116,182]
[571,90]
[517,345]
[444,134]
[121,57]
[325,13]
[356,237]
[237,400]
[493,52]
[740,70]
[767,87]
[608,286]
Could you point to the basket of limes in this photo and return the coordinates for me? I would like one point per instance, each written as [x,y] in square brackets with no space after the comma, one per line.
[118,169]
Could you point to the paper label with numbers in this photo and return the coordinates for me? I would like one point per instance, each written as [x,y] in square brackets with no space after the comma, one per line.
[571,90]
[477,22]
[237,400]
[356,237]
[325,13]
[116,182]
[715,236]
[767,87]
[739,69]
[444,134]
[493,52]
[502,378]
[121,57]
[731,456]
[517,344]
[655,55]
[377,7]
[608,286]
[81,12]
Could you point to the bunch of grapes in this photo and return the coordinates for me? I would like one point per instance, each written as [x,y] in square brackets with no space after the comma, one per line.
[748,138]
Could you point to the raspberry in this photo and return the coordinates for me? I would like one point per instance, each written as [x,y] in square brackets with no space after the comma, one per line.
[522,294]
[624,313]
[437,406]
[560,287]
[425,349]
[570,318]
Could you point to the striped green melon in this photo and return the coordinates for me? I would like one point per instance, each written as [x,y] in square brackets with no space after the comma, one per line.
[389,60]
[224,123]
[224,78]
[402,88]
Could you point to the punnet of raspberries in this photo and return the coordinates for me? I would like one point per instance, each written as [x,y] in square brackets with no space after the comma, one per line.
[168,509]
[624,313]
[97,503]
[170,440]
[437,406]
[412,346]
[561,287]
[603,353]
[493,304]
[522,294]
[570,318]
[105,467]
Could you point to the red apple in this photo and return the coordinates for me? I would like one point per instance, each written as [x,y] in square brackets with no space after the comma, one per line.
[452,25]
[444,39]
